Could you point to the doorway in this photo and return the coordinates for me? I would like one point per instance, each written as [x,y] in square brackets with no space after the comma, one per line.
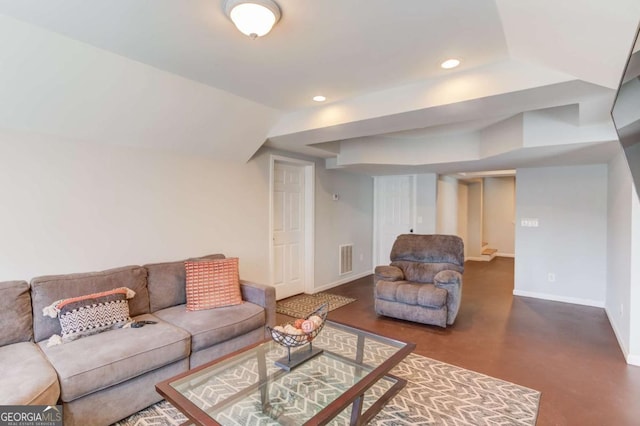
[394,212]
[291,219]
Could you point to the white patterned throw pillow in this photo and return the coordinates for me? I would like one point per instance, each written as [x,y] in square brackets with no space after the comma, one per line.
[90,314]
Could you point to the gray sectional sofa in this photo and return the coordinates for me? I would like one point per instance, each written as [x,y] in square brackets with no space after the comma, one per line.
[26,376]
[105,377]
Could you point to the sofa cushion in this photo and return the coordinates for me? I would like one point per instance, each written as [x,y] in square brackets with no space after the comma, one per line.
[212,283]
[15,313]
[96,362]
[27,376]
[167,283]
[212,326]
[411,293]
[48,289]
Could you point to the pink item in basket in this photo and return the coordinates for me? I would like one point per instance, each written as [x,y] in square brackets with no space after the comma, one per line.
[308,326]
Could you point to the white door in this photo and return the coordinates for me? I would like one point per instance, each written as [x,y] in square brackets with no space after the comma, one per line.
[288,229]
[394,212]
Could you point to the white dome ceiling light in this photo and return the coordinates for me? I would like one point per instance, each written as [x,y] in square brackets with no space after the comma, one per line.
[254,18]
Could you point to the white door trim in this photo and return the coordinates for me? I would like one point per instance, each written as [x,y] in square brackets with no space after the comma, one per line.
[309,217]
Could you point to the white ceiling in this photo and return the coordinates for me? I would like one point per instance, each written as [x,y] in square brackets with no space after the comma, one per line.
[335,47]
[376,61]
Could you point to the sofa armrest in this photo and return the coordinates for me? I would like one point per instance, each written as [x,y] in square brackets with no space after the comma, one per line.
[262,295]
[388,273]
[452,282]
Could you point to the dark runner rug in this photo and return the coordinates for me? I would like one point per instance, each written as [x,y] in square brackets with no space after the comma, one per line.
[303,304]
[436,394]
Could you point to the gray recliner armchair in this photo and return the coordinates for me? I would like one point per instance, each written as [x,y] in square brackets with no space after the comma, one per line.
[424,281]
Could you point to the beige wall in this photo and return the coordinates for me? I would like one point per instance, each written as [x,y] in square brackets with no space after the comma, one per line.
[474,219]
[447,205]
[463,213]
[498,228]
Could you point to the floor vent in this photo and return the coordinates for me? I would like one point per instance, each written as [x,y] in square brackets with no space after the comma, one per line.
[346,258]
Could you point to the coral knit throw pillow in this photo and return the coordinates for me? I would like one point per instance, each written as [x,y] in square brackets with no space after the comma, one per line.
[212,283]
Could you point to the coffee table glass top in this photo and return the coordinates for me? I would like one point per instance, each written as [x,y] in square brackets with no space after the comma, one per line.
[249,388]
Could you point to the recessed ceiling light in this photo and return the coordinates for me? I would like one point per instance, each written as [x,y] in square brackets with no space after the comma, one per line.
[450,63]
[319,98]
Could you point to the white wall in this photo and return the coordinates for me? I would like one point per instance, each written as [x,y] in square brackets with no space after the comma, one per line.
[72,207]
[570,204]
[499,214]
[447,206]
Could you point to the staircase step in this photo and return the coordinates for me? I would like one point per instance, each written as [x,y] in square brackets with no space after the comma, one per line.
[489,251]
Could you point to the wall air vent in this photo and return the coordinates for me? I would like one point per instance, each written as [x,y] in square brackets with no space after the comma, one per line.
[346,259]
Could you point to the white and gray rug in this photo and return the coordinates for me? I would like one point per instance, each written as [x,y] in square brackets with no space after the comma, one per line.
[436,394]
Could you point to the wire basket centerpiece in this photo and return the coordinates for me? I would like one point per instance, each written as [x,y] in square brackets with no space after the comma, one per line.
[301,332]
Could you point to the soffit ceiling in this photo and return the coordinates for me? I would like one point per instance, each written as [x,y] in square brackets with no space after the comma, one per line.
[376,61]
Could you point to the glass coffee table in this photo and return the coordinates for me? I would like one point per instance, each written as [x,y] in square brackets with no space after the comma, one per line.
[348,383]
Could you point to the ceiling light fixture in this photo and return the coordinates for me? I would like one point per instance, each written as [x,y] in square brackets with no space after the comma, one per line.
[450,63]
[254,18]
[319,98]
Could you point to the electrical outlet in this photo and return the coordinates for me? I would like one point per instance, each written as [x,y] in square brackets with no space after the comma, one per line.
[551,277]
[361,257]
[621,310]
[529,222]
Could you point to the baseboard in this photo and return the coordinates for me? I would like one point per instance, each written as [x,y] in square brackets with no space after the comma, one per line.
[623,348]
[630,358]
[505,254]
[342,281]
[633,359]
[556,298]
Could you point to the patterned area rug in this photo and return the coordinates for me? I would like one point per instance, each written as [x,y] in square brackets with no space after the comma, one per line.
[436,394]
[303,304]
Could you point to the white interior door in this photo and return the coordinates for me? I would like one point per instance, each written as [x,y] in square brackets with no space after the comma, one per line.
[394,212]
[288,229]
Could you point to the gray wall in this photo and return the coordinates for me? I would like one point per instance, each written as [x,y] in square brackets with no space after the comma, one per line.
[623,252]
[570,204]
[347,220]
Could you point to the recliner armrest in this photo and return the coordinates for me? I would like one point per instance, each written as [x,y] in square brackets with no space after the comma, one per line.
[388,273]
[447,277]
[262,295]
[452,282]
